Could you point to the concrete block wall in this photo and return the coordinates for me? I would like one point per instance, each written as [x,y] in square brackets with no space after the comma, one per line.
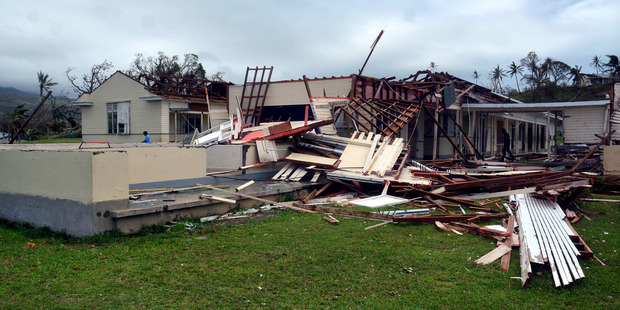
[154,164]
[611,159]
[79,191]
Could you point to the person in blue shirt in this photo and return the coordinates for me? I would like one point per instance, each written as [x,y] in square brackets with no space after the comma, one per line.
[147,138]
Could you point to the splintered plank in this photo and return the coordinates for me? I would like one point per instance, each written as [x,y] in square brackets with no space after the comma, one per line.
[448,218]
[281,172]
[524,260]
[315,177]
[311,160]
[348,212]
[493,255]
[330,219]
[527,231]
[505,264]
[377,225]
[222,199]
[257,198]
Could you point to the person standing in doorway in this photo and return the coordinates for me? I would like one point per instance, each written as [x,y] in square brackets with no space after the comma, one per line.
[506,146]
[147,138]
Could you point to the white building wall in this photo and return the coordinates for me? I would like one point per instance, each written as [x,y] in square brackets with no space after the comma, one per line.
[582,123]
[144,115]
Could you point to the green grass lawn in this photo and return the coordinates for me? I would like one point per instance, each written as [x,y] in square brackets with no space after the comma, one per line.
[292,261]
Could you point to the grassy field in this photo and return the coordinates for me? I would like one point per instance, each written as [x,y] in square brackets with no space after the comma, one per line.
[292,261]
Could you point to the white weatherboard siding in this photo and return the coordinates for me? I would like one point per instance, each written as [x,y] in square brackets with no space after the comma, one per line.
[144,115]
[219,114]
[582,123]
[294,92]
[615,119]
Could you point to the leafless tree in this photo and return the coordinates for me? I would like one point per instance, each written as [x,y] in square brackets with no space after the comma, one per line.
[90,81]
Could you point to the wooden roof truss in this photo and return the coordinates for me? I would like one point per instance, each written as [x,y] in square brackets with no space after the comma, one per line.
[386,117]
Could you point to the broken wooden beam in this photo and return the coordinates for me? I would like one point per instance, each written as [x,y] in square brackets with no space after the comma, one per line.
[377,225]
[257,198]
[460,201]
[447,217]
[330,219]
[592,151]
[505,264]
[222,199]
[348,212]
[244,185]
[495,254]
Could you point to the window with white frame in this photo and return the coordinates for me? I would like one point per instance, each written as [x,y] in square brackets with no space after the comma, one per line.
[118,118]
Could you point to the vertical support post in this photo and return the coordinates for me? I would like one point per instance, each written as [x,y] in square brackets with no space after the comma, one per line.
[435,138]
[459,117]
[473,131]
[175,126]
[548,135]
[306,116]
[555,131]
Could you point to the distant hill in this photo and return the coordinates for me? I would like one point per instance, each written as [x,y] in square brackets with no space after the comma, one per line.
[11,97]
[12,90]
[555,93]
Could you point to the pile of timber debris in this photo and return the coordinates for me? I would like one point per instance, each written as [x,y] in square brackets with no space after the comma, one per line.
[374,170]
[546,235]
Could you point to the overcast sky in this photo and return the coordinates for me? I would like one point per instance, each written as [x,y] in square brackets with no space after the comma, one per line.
[315,38]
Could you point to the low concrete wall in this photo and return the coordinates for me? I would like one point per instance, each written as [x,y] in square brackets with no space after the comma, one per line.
[154,164]
[79,190]
[231,157]
[64,190]
[611,159]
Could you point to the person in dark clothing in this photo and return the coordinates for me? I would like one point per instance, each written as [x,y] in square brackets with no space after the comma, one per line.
[506,146]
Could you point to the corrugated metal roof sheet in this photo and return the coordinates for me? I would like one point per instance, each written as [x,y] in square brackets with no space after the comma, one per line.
[544,106]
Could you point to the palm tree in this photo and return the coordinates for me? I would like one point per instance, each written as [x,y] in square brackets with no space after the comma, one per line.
[597,63]
[496,78]
[613,67]
[476,76]
[546,67]
[433,67]
[516,70]
[575,74]
[45,82]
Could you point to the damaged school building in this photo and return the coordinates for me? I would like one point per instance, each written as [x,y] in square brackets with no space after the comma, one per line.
[430,140]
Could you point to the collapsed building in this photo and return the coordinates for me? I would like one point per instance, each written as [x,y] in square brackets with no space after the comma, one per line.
[430,136]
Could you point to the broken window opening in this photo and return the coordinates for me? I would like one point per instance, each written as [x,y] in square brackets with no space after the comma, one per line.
[188,122]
